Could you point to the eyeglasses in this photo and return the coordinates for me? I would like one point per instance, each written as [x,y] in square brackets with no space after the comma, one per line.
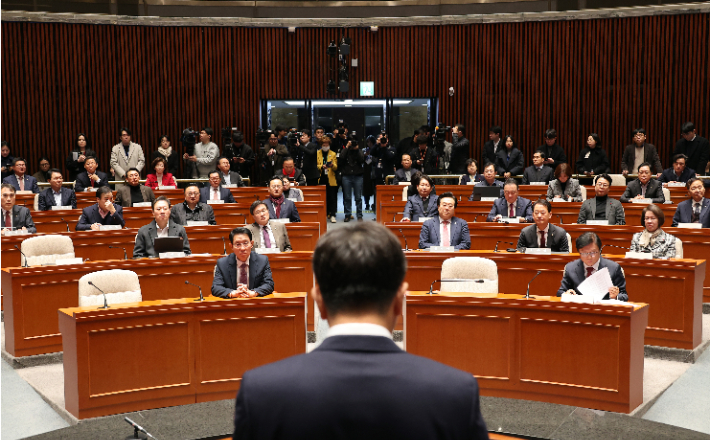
[242,245]
[589,254]
[602,185]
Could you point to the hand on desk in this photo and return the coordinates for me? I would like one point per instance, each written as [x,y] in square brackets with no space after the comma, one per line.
[242,292]
[613,292]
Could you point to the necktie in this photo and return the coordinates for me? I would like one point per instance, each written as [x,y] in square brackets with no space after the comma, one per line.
[511,214]
[696,213]
[267,240]
[445,239]
[542,239]
[243,268]
[214,194]
[8,220]
[93,182]
[643,191]
[22,183]
[590,271]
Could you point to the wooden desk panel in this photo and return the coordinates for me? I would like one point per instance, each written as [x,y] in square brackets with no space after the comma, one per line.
[148,355]
[545,350]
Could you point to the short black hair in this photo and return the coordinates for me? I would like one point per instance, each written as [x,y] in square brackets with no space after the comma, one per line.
[279,128]
[691,181]
[421,139]
[542,154]
[85,160]
[209,131]
[679,156]
[18,159]
[425,129]
[447,194]
[471,161]
[160,199]
[588,238]
[306,131]
[637,131]
[103,190]
[489,164]
[460,127]
[240,231]
[687,127]
[604,176]
[550,133]
[255,205]
[120,132]
[543,202]
[220,158]
[511,181]
[427,178]
[163,136]
[645,164]
[191,184]
[288,158]
[10,187]
[275,177]
[359,268]
[212,172]
[496,129]
[52,171]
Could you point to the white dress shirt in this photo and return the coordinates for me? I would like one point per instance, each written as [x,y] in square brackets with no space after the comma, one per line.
[163,232]
[358,329]
[57,197]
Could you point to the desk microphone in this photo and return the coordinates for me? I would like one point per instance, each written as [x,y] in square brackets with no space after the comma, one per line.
[137,428]
[506,242]
[65,222]
[245,217]
[453,280]
[560,218]
[202,298]
[105,303]
[23,254]
[406,248]
[125,255]
[527,294]
[224,246]
[611,245]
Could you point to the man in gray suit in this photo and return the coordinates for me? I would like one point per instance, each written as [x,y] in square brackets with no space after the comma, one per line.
[161,226]
[243,274]
[602,207]
[14,217]
[445,229]
[133,192]
[192,209]
[644,187]
[543,234]
[266,234]
[538,172]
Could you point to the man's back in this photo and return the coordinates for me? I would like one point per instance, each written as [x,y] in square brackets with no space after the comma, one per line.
[358,387]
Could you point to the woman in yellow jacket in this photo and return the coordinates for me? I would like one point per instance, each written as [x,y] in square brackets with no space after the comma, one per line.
[328,165]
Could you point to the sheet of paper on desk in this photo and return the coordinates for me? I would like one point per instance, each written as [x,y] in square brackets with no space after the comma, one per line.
[597,285]
[615,302]
[577,299]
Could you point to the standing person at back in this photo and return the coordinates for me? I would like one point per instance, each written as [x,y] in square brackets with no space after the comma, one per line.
[639,152]
[555,154]
[205,156]
[358,384]
[460,150]
[696,148]
[493,145]
[126,155]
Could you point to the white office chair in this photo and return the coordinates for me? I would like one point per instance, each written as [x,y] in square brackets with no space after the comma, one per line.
[470,268]
[35,203]
[120,286]
[667,194]
[404,192]
[678,248]
[569,243]
[617,180]
[46,249]
[584,192]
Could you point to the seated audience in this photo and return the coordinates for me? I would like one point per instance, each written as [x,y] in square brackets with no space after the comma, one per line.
[543,234]
[243,273]
[489,179]
[104,212]
[90,177]
[267,234]
[279,206]
[538,172]
[293,174]
[405,173]
[133,192]
[56,194]
[294,194]
[422,204]
[18,178]
[161,226]
[554,153]
[157,176]
[226,176]
[15,217]
[653,239]
[679,172]
[42,175]
[471,173]
[445,229]
[639,152]
[697,208]
[695,148]
[593,159]
[602,207]
[192,209]
[643,187]
[424,158]
[589,247]
[215,191]
[509,161]
[564,186]
[511,206]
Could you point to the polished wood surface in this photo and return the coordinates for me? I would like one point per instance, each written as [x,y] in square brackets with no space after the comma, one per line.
[542,349]
[154,354]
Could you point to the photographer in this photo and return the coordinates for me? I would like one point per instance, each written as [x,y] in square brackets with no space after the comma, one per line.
[405,146]
[351,162]
[424,157]
[340,135]
[204,158]
[459,151]
[308,151]
[240,155]
[385,155]
[273,153]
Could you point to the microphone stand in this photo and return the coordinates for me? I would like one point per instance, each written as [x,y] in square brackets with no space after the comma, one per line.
[138,428]
[65,222]
[452,280]
[125,255]
[527,294]
[224,246]
[501,241]
[23,254]
[611,245]
[102,292]
[406,247]
[201,298]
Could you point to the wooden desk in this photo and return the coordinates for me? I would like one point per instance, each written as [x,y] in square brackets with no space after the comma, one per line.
[545,350]
[154,354]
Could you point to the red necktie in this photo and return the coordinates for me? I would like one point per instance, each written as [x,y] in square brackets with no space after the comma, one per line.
[590,271]
[512,212]
[8,220]
[445,239]
[542,239]
[243,268]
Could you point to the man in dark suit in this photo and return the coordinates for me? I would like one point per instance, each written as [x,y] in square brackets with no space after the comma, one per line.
[491,147]
[405,173]
[192,209]
[358,384]
[133,192]
[678,172]
[424,157]
[543,234]
[554,153]
[460,150]
[90,178]
[589,247]
[161,226]
[405,146]
[308,151]
[601,206]
[104,212]
[489,179]
[511,206]
[18,178]
[294,175]
[695,148]
[279,206]
[538,172]
[15,217]
[267,234]
[243,274]
[445,229]
[56,194]
[638,152]
[226,176]
[697,208]
[643,187]
[214,190]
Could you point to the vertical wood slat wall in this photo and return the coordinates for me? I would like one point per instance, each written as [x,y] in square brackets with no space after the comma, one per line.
[605,76]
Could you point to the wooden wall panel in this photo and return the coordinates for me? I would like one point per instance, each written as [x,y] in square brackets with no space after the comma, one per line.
[605,76]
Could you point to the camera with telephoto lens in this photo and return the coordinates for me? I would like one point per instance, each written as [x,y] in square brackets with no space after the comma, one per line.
[441,130]
[293,137]
[262,136]
[189,139]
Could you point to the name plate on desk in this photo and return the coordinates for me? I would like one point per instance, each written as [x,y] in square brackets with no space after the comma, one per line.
[538,251]
[675,185]
[598,222]
[280,220]
[267,250]
[167,187]
[578,299]
[442,249]
[197,223]
[61,208]
[642,201]
[489,199]
[559,199]
[68,261]
[639,255]
[404,183]
[163,255]
[142,205]
[23,192]
[690,225]
[293,199]
[423,219]
[215,202]
[471,183]
[509,220]
[231,185]
[538,183]
[110,227]
[91,189]
[26,232]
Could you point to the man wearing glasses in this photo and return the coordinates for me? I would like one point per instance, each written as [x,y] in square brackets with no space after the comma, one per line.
[589,246]
[242,274]
[602,207]
[278,205]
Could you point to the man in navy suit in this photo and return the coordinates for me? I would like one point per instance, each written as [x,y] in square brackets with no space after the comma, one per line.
[489,179]
[19,179]
[14,217]
[90,178]
[358,384]
[214,190]
[678,172]
[589,247]
[243,274]
[445,229]
[543,234]
[279,206]
[104,212]
[697,208]
[56,194]
[511,206]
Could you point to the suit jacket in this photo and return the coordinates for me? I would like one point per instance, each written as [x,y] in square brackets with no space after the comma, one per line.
[594,160]
[146,238]
[532,174]
[460,237]
[225,275]
[662,247]
[684,213]
[91,215]
[698,152]
[74,167]
[120,163]
[465,178]
[298,176]
[21,217]
[311,167]
[574,274]
[405,396]
[556,238]
[278,229]
[669,175]
[614,211]
[234,178]
[460,151]
[554,152]
[83,182]
[123,195]
[573,191]
[415,207]
[483,182]
[650,155]
[523,208]
[489,153]
[224,194]
[399,175]
[514,166]
[431,159]
[288,210]
[654,191]
[202,212]
[30,182]
[46,199]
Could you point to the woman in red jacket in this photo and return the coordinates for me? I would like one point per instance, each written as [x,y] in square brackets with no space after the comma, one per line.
[158,177]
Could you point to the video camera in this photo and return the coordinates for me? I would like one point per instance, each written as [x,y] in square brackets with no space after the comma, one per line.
[189,139]
[262,136]
[293,137]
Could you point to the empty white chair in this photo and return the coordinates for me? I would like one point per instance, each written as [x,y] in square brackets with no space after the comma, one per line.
[470,268]
[569,243]
[120,286]
[46,249]
[404,192]
[35,204]
[667,194]
[584,192]
[617,180]
[678,248]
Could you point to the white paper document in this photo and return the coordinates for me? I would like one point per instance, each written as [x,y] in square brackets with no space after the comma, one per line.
[596,286]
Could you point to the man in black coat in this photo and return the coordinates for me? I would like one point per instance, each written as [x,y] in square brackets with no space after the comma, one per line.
[695,147]
[405,146]
[244,273]
[424,157]
[644,187]
[358,384]
[104,212]
[460,150]
[554,153]
[495,143]
[309,152]
[240,155]
[638,152]
[90,177]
